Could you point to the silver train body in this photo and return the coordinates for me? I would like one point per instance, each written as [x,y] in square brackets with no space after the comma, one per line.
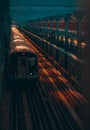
[22,60]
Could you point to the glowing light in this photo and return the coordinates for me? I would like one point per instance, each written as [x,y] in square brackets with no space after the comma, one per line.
[65,97]
[59,38]
[63,39]
[17,40]
[83,45]
[30,73]
[75,42]
[22,47]
[13,28]
[73,56]
[69,40]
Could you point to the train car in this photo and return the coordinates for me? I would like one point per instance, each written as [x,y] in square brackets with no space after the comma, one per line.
[22,61]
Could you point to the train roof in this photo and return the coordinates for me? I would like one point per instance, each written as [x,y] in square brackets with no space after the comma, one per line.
[16,42]
[19,45]
[19,49]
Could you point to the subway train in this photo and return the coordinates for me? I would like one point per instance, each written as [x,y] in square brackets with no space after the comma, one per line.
[22,60]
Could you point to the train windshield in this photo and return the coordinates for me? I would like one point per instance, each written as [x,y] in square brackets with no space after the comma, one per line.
[23,62]
[33,64]
[32,61]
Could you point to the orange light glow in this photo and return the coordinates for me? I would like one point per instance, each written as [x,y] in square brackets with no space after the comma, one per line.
[68,96]
[59,38]
[75,42]
[17,40]
[83,45]
[22,47]
[69,40]
[63,39]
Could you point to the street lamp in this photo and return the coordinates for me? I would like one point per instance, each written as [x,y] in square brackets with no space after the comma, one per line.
[59,38]
[69,40]
[75,42]
[83,45]
[63,39]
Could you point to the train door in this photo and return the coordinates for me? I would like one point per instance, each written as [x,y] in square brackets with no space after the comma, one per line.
[23,67]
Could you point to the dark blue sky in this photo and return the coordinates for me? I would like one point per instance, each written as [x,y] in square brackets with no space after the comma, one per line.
[24,10]
[44,2]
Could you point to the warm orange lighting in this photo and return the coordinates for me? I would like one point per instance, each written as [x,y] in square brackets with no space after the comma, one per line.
[18,40]
[83,45]
[75,42]
[13,28]
[22,47]
[59,38]
[69,40]
[65,96]
[63,39]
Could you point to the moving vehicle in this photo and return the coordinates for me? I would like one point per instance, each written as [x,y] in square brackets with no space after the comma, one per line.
[22,60]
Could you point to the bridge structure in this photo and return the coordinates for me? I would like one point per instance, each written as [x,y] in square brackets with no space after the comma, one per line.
[68,32]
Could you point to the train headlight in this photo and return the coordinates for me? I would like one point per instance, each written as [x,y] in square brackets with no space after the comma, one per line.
[30,73]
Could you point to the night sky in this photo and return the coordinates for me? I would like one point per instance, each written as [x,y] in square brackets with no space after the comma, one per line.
[44,2]
[23,10]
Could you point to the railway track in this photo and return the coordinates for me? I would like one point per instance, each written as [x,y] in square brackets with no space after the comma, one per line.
[64,91]
[50,103]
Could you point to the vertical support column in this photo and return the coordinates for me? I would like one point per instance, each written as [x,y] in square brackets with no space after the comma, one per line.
[78,35]
[57,24]
[79,16]
[66,39]
[51,25]
[66,30]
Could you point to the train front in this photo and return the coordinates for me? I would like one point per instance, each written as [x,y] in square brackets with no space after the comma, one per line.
[22,66]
